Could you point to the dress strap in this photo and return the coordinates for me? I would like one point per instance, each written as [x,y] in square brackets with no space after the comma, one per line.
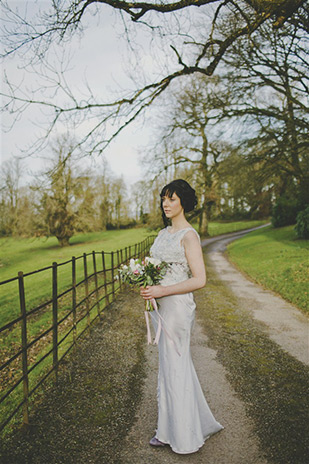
[187,229]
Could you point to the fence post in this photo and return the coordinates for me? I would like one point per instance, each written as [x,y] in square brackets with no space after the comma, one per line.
[112,269]
[121,257]
[86,288]
[74,297]
[22,303]
[135,250]
[130,256]
[55,320]
[126,255]
[118,264]
[105,281]
[96,282]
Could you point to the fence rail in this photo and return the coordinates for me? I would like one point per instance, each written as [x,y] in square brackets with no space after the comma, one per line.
[34,343]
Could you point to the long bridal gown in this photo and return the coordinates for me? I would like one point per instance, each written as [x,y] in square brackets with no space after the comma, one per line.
[185,420]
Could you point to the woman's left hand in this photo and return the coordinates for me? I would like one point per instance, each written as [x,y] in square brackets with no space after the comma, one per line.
[154,291]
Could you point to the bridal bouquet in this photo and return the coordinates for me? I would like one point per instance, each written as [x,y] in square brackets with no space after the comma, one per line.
[149,271]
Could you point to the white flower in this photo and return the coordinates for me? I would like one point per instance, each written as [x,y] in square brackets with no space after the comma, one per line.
[153,261]
[133,265]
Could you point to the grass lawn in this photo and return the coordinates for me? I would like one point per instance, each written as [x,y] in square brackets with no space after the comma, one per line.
[276,259]
[30,254]
[34,253]
[218,228]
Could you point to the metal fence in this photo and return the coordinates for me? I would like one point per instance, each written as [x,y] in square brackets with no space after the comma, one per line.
[34,343]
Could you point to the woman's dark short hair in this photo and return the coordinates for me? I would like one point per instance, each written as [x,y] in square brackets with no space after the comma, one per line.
[184,191]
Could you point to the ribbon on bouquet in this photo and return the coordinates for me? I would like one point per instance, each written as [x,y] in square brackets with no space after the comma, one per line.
[160,326]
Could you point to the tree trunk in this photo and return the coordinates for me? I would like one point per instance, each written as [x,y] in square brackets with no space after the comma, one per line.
[63,241]
[203,226]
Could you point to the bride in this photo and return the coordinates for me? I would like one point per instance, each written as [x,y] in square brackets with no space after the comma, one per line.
[185,420]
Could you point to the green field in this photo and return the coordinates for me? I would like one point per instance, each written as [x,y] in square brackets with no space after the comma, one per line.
[218,228]
[34,253]
[276,259]
[31,254]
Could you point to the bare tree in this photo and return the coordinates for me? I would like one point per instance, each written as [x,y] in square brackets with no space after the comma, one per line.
[196,53]
[242,192]
[270,96]
[57,200]
[190,137]
[10,178]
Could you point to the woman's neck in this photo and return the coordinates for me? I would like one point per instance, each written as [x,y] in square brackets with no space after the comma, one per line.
[179,222]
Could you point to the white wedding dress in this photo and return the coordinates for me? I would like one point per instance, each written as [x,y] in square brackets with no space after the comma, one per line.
[185,420]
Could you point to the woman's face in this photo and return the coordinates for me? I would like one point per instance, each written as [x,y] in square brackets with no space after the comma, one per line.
[172,206]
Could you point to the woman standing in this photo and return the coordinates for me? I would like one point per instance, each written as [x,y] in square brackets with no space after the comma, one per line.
[184,418]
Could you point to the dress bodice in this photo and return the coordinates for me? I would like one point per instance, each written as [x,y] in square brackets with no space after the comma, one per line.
[168,247]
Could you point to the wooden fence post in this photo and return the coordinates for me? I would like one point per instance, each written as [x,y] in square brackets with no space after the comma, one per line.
[112,269]
[118,264]
[22,303]
[105,280]
[74,298]
[135,250]
[55,320]
[126,255]
[96,282]
[86,288]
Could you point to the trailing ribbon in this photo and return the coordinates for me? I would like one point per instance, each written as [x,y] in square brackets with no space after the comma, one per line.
[159,328]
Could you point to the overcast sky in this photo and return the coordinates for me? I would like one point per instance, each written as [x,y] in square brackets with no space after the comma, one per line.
[100,58]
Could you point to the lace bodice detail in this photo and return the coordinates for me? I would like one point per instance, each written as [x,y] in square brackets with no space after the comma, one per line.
[168,247]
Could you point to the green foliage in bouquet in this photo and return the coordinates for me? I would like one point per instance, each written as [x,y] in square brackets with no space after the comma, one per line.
[149,271]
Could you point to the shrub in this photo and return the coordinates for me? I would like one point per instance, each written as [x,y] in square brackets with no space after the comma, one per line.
[302,223]
[284,212]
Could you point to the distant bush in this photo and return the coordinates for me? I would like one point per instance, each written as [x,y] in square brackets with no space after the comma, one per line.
[284,212]
[129,224]
[302,224]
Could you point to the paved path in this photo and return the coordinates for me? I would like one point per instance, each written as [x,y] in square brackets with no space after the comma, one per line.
[284,323]
[236,444]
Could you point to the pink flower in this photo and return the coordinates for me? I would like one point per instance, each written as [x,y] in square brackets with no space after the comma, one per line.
[136,272]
